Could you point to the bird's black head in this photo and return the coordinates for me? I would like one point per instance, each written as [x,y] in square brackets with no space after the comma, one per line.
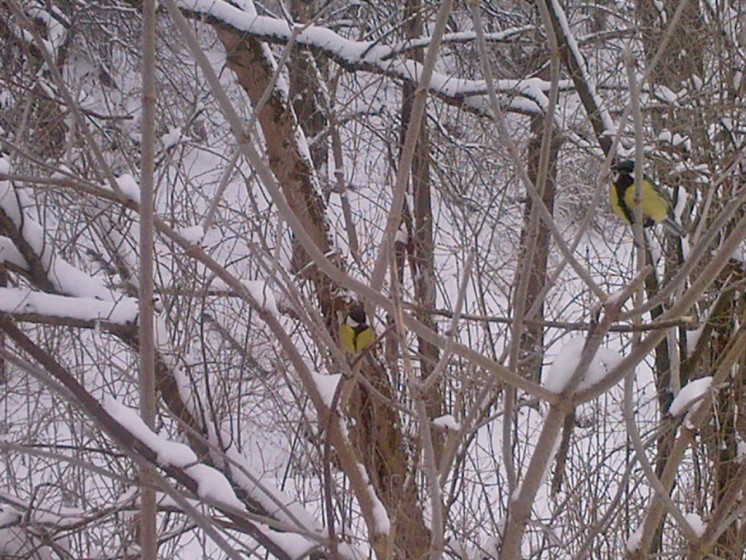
[626,166]
[357,314]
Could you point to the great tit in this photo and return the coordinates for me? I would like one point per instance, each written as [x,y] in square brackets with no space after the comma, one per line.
[656,206]
[355,335]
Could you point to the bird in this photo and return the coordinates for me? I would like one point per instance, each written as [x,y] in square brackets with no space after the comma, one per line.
[355,334]
[655,204]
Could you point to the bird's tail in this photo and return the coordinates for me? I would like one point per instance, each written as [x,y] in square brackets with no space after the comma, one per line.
[673,227]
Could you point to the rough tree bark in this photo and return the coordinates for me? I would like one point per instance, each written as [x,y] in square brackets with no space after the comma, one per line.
[377,432]
[421,245]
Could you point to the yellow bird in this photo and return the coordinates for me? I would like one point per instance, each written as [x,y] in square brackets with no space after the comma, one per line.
[355,335]
[656,207]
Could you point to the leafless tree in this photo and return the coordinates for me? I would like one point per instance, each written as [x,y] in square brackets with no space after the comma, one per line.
[447,166]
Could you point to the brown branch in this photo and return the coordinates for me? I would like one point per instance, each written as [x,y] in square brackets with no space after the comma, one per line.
[375,59]
[126,441]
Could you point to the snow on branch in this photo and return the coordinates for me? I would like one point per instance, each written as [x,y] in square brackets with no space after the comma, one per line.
[374,57]
[381,517]
[599,116]
[566,362]
[690,397]
[460,37]
[34,253]
[33,306]
[9,255]
[211,484]
[60,517]
[262,496]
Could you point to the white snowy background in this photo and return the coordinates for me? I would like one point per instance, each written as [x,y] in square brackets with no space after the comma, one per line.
[240,437]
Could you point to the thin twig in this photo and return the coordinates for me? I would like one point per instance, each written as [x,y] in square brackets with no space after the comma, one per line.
[409,147]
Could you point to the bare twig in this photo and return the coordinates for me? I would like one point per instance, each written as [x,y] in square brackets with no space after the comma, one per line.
[408,149]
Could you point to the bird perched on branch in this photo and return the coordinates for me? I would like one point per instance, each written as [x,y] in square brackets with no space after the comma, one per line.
[655,204]
[355,334]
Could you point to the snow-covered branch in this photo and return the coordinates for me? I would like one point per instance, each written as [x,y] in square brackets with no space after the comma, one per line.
[528,95]
[86,312]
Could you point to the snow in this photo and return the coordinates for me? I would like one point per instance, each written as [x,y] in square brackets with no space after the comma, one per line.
[253,467]
[401,236]
[696,523]
[380,515]
[517,491]
[129,187]
[382,523]
[71,280]
[8,515]
[8,198]
[62,172]
[682,201]
[27,301]
[371,55]
[690,396]
[264,296]
[327,386]
[131,421]
[566,362]
[192,234]
[278,504]
[296,546]
[675,139]
[9,254]
[461,37]
[740,450]
[65,277]
[57,516]
[56,31]
[582,65]
[271,498]
[212,485]
[448,422]
[692,338]
[666,94]
[176,454]
[634,540]
[247,6]
[171,138]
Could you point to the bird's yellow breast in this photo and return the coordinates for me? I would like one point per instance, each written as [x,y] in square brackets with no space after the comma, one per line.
[653,203]
[354,342]
[347,338]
